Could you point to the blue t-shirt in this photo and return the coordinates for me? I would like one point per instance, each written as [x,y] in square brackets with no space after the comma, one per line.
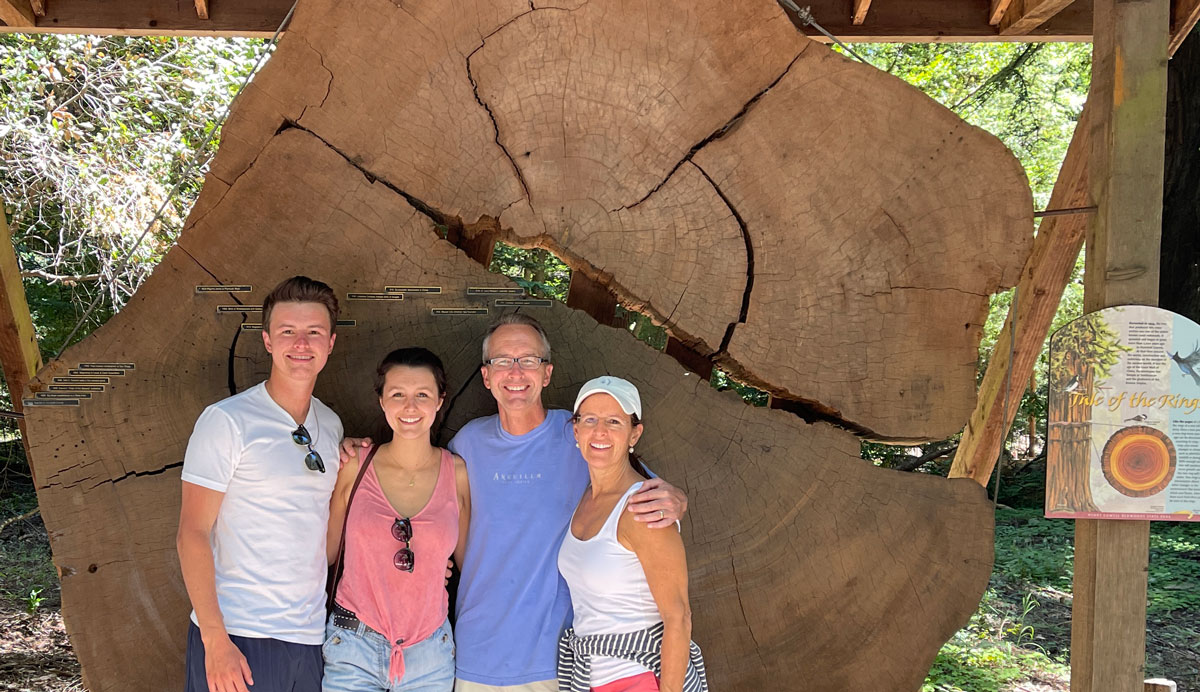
[512,603]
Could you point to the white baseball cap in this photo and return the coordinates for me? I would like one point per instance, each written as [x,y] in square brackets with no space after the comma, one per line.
[622,390]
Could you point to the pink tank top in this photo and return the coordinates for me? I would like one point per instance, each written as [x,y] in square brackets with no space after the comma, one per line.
[405,607]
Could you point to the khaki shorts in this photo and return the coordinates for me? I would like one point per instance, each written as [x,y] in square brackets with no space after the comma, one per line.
[540,686]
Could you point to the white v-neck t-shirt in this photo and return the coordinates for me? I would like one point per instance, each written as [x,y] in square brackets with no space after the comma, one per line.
[268,541]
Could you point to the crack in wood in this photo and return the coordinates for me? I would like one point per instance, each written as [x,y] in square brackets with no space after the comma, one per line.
[723,349]
[457,230]
[716,134]
[496,126]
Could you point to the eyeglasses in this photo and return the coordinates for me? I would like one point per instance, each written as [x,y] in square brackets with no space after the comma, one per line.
[596,421]
[525,362]
[403,560]
[312,460]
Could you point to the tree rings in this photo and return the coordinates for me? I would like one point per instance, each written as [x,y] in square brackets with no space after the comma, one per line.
[1138,461]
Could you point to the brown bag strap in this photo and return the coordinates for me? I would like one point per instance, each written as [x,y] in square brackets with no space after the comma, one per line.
[335,573]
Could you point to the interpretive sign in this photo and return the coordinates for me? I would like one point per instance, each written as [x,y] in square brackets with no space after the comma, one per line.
[1124,416]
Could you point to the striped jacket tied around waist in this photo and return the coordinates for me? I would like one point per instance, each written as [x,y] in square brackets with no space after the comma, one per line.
[644,647]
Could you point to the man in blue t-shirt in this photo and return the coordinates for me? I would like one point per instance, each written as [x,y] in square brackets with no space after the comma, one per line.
[526,477]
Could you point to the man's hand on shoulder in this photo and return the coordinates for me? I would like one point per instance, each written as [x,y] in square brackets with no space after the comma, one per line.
[658,504]
[225,666]
[348,450]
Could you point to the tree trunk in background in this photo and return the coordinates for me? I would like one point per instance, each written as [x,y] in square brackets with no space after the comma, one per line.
[813,225]
[1179,283]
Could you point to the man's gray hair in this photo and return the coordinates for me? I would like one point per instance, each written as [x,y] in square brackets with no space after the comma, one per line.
[517,318]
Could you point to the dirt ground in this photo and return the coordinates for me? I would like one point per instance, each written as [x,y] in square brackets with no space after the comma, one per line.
[35,655]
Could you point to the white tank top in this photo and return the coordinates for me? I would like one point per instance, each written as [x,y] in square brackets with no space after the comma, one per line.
[609,592]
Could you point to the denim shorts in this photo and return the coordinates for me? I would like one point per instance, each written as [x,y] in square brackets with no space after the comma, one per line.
[357,661]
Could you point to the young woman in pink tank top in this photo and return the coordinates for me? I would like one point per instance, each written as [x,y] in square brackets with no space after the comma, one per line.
[407,515]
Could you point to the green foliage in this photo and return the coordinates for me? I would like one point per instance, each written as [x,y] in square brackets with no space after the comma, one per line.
[993,652]
[1031,549]
[27,574]
[643,328]
[1028,95]
[540,272]
[33,601]
[95,134]
[721,381]
[1174,579]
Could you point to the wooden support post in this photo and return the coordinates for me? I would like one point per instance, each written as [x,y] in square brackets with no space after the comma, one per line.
[1039,292]
[861,7]
[202,9]
[999,7]
[1184,15]
[1023,16]
[39,7]
[17,13]
[19,354]
[1129,86]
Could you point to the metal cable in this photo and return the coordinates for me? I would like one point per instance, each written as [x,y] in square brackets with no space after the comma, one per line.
[171,195]
[804,14]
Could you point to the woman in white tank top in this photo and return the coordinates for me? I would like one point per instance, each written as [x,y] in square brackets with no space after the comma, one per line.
[628,582]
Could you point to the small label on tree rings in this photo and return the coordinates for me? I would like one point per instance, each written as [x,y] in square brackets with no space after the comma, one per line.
[76,388]
[50,402]
[347,323]
[81,380]
[251,326]
[241,288]
[527,303]
[495,291]
[459,311]
[374,296]
[62,395]
[105,366]
[81,371]
[239,308]
[412,289]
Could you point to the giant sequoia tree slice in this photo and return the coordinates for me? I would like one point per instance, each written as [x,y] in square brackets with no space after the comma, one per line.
[380,132]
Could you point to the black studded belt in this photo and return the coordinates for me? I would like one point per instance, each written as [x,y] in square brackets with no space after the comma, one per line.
[346,620]
[349,621]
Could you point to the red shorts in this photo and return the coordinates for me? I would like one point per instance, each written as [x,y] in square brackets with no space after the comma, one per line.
[646,682]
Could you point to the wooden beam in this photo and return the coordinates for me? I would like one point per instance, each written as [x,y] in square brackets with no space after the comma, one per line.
[39,7]
[258,18]
[1023,16]
[1184,15]
[895,20]
[202,9]
[939,21]
[17,14]
[861,7]
[1039,292]
[20,358]
[1129,88]
[999,8]
[18,346]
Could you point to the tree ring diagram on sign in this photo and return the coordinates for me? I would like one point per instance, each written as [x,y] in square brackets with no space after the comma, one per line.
[1138,461]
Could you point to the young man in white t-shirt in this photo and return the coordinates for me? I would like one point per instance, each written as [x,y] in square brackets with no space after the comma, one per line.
[256,488]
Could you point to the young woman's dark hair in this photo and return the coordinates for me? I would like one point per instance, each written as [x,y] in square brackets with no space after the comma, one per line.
[412,357]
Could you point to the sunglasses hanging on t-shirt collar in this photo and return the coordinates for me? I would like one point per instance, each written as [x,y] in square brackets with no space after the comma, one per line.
[312,460]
